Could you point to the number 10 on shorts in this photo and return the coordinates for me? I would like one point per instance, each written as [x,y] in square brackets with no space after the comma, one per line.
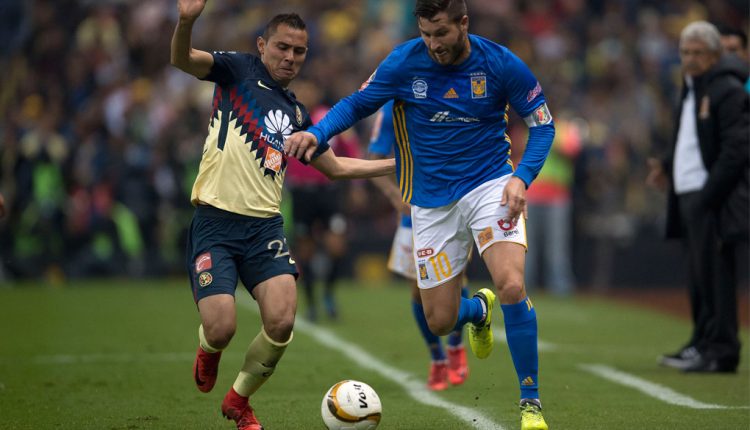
[441,266]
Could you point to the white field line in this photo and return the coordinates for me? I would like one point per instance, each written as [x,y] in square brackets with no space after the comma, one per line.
[413,386]
[659,392]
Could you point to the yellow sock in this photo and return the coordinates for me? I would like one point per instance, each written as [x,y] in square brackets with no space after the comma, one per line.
[204,343]
[260,362]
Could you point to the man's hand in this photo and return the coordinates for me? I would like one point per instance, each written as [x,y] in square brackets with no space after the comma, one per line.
[190,9]
[301,145]
[514,196]
[656,178]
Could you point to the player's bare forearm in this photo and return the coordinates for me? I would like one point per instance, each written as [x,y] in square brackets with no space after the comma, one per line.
[193,61]
[514,196]
[351,168]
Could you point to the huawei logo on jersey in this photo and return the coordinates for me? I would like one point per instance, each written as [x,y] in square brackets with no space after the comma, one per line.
[277,123]
[277,127]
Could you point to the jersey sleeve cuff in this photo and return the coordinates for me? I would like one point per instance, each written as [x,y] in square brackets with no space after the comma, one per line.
[525,174]
[320,137]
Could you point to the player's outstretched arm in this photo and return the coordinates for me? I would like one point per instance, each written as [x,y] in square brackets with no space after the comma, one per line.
[350,168]
[183,56]
[390,190]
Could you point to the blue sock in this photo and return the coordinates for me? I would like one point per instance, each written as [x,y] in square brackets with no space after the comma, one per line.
[521,331]
[455,338]
[470,311]
[433,342]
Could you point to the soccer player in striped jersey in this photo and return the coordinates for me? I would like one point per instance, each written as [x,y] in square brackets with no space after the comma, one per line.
[237,229]
[444,368]
[452,93]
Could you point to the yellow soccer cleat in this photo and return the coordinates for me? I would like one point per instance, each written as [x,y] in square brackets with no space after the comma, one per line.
[480,335]
[531,415]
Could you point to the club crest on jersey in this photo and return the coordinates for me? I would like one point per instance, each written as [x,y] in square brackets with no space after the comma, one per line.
[419,87]
[205,279]
[423,271]
[298,113]
[479,87]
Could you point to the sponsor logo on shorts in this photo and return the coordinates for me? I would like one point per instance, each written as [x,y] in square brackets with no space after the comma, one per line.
[205,279]
[423,271]
[485,236]
[506,224]
[425,252]
[203,262]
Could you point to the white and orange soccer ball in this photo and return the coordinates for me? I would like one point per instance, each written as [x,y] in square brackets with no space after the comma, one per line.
[351,405]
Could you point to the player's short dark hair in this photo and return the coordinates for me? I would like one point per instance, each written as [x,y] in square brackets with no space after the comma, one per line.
[456,9]
[729,31]
[290,19]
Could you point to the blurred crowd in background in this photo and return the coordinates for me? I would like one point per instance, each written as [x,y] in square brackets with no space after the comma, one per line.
[100,137]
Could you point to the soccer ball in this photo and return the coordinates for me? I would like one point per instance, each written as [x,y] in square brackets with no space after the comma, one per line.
[351,405]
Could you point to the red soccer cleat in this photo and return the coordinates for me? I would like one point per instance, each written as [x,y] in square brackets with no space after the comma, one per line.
[205,369]
[437,379]
[458,367]
[235,407]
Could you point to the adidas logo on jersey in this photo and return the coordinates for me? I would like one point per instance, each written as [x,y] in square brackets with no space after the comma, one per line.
[450,94]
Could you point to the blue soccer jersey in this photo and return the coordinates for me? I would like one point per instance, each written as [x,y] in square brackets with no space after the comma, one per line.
[450,121]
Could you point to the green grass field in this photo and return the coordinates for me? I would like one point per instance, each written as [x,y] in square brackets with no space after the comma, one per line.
[118,355]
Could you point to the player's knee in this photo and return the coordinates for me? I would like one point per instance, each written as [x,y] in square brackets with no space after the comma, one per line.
[512,290]
[440,325]
[279,328]
[219,334]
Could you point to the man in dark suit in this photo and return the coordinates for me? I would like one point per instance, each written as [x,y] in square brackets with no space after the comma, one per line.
[706,173]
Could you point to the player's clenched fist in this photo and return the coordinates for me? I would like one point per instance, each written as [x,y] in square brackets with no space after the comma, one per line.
[190,9]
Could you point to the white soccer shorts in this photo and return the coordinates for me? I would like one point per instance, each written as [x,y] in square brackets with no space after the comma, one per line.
[443,236]
[401,260]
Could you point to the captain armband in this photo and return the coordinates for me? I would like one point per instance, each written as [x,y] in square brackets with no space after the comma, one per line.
[540,116]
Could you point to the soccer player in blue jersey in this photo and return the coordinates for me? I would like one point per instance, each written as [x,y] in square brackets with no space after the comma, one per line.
[237,229]
[444,367]
[452,92]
